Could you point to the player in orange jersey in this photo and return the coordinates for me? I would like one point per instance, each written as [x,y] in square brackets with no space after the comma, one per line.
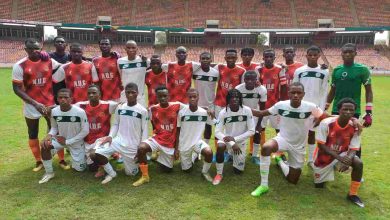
[154,78]
[32,82]
[247,55]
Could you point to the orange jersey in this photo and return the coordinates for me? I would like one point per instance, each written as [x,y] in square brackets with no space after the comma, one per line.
[228,79]
[152,81]
[272,79]
[164,121]
[109,77]
[78,77]
[290,70]
[36,78]
[179,81]
[252,66]
[337,138]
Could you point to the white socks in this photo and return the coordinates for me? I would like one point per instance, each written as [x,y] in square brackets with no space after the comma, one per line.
[109,170]
[284,167]
[311,152]
[206,167]
[265,161]
[255,150]
[219,168]
[48,164]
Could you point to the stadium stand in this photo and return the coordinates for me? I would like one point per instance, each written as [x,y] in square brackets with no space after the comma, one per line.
[231,13]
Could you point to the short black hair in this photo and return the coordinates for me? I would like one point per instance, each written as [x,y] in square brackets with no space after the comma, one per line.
[297,84]
[230,95]
[269,51]
[160,87]
[248,50]
[231,50]
[205,53]
[349,45]
[94,86]
[155,56]
[250,72]
[104,38]
[192,90]
[313,48]
[65,90]
[59,36]
[30,41]
[131,86]
[346,100]
[289,47]
[76,45]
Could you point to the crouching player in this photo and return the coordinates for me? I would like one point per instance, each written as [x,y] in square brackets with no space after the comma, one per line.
[235,125]
[164,121]
[338,143]
[294,126]
[191,124]
[69,126]
[129,127]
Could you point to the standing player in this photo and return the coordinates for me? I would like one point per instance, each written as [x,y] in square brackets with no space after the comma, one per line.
[205,80]
[315,80]
[179,76]
[337,145]
[164,120]
[107,71]
[61,56]
[129,128]
[235,125]
[99,118]
[294,123]
[32,82]
[273,78]
[69,128]
[191,123]
[347,80]
[154,78]
[254,97]
[132,68]
[78,74]
[290,65]
[247,55]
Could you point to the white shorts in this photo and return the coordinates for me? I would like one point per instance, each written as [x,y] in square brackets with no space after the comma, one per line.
[88,148]
[107,150]
[238,160]
[166,153]
[186,155]
[31,112]
[77,154]
[273,121]
[325,174]
[296,156]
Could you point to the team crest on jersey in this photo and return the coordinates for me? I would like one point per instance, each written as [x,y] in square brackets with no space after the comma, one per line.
[86,72]
[275,76]
[45,68]
[138,64]
[93,120]
[199,118]
[210,78]
[344,75]
[318,75]
[240,118]
[59,118]
[134,114]
[72,119]
[302,115]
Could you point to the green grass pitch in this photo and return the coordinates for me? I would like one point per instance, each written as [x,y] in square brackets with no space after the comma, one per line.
[72,195]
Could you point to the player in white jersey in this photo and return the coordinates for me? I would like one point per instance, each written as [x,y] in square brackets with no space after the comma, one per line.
[69,126]
[132,68]
[254,96]
[191,124]
[129,128]
[294,126]
[205,81]
[315,80]
[235,125]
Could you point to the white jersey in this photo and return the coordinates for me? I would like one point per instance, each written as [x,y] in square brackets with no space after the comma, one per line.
[251,98]
[315,81]
[192,125]
[239,125]
[72,125]
[205,83]
[133,71]
[295,122]
[130,126]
